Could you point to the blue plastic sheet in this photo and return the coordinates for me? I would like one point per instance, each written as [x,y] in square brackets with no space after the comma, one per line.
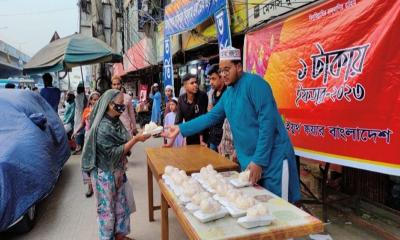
[33,150]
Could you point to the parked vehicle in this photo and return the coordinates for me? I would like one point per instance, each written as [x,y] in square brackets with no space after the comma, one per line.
[33,152]
[18,82]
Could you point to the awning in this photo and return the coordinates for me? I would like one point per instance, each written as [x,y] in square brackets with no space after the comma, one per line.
[71,51]
[139,56]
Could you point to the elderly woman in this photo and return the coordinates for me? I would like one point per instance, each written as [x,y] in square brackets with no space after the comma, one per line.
[104,156]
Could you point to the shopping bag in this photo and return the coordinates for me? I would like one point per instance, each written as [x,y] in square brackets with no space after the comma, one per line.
[129,197]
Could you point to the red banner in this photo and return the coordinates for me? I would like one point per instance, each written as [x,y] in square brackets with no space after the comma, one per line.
[335,74]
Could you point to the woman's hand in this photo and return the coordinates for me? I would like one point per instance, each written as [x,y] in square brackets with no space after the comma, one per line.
[73,136]
[142,137]
[134,140]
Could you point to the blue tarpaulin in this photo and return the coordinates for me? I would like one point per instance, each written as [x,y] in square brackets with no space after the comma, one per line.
[33,150]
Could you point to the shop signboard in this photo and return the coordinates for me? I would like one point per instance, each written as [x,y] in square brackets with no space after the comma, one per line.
[207,31]
[184,15]
[263,10]
[334,71]
[223,29]
[175,46]
[168,70]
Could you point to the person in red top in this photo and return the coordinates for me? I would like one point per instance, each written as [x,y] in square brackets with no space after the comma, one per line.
[93,98]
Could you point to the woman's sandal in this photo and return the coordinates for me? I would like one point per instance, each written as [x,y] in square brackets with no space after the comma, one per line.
[89,193]
[118,237]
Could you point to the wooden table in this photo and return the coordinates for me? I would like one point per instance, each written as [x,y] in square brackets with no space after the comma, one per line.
[291,222]
[190,158]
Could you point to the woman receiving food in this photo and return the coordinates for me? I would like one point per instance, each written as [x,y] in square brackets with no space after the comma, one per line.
[104,156]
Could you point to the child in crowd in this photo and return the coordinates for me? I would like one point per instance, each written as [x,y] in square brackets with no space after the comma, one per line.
[170,121]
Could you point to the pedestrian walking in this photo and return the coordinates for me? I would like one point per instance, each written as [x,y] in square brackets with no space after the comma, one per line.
[261,140]
[105,157]
[85,124]
[156,107]
[50,93]
[69,113]
[192,104]
[128,117]
[80,104]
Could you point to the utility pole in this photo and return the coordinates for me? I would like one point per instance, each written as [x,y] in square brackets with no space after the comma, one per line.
[97,16]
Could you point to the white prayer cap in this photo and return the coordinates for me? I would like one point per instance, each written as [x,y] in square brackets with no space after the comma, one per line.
[155,85]
[169,87]
[229,53]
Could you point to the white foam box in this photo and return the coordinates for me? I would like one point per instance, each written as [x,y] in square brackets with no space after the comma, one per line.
[191,207]
[197,177]
[253,222]
[184,199]
[155,131]
[207,217]
[176,189]
[239,184]
[230,207]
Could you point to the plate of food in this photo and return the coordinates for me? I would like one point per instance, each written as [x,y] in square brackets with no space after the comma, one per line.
[236,203]
[242,180]
[152,129]
[210,210]
[256,216]
[189,189]
[191,207]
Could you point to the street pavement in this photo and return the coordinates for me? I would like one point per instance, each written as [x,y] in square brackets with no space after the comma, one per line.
[68,214]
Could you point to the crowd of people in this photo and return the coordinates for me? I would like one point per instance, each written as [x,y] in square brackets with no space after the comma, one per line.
[238,119]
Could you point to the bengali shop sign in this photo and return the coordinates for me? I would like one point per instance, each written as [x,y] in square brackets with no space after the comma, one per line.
[184,15]
[261,10]
[334,70]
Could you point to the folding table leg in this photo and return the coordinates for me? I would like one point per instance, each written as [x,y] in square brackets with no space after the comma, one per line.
[164,219]
[150,193]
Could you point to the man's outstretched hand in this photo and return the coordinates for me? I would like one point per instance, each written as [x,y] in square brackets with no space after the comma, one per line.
[255,172]
[172,132]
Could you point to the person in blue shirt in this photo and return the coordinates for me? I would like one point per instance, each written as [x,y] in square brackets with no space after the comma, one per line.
[50,93]
[156,108]
[260,138]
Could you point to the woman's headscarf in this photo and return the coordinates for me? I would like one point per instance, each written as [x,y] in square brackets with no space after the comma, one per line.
[94,93]
[97,114]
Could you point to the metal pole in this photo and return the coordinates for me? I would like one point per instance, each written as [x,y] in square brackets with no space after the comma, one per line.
[83,80]
[69,82]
